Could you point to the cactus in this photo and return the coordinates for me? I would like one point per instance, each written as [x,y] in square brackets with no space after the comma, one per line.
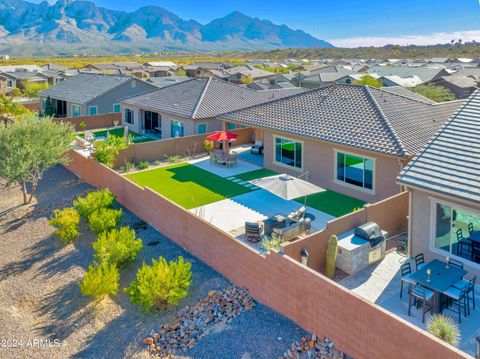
[331,257]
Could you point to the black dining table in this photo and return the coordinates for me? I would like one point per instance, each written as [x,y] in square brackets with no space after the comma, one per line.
[442,276]
[474,236]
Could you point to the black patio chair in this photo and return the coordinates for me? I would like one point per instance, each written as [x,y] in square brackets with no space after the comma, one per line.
[456,300]
[455,263]
[253,230]
[419,261]
[469,286]
[406,271]
[462,242]
[420,295]
[475,252]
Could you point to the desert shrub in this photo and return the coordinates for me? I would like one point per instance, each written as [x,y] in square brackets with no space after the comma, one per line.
[104,219]
[160,284]
[100,281]
[173,158]
[271,243]
[444,328]
[117,247]
[94,201]
[66,223]
[127,167]
[106,152]
[208,145]
[142,165]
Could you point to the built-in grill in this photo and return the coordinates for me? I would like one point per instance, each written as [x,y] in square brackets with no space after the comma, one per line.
[372,233]
[361,247]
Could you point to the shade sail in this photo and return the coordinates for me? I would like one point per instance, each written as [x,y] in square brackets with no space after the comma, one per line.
[222,136]
[287,187]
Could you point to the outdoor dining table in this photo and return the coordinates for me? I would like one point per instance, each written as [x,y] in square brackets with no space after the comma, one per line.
[475,236]
[442,277]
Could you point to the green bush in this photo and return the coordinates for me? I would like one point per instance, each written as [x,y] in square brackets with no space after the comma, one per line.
[66,222]
[117,247]
[104,219]
[160,284]
[444,328]
[94,201]
[106,152]
[127,167]
[143,165]
[100,281]
[271,243]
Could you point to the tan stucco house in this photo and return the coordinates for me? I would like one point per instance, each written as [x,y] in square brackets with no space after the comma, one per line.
[351,139]
[444,185]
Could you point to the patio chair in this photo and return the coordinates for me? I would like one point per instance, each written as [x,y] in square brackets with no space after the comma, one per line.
[293,230]
[297,215]
[257,148]
[419,261]
[469,286]
[462,242]
[231,161]
[470,228]
[220,160]
[253,230]
[406,270]
[420,295]
[455,263]
[456,298]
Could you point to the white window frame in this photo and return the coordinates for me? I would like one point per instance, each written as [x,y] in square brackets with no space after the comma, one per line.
[342,183]
[206,128]
[280,164]
[79,107]
[125,116]
[11,84]
[433,221]
[96,110]
[119,108]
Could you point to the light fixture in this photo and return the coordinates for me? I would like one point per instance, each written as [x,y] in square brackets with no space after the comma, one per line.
[304,256]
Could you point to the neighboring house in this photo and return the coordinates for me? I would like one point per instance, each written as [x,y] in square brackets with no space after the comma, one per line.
[395,80]
[54,76]
[461,86]
[160,68]
[20,77]
[191,107]
[118,68]
[13,68]
[238,73]
[351,78]
[7,84]
[351,139]
[54,67]
[426,74]
[167,80]
[444,185]
[92,94]
[199,69]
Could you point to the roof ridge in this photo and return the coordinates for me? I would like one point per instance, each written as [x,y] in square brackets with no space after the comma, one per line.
[200,99]
[385,89]
[396,138]
[442,129]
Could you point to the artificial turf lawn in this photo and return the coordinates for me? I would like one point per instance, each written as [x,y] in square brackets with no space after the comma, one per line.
[260,173]
[119,132]
[333,203]
[188,185]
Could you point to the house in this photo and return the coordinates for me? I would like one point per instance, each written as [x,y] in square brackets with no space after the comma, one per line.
[351,78]
[7,84]
[461,86]
[395,80]
[20,77]
[238,73]
[443,181]
[167,80]
[426,74]
[351,139]
[198,69]
[191,107]
[118,68]
[92,94]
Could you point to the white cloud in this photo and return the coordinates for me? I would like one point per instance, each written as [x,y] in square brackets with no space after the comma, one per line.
[432,39]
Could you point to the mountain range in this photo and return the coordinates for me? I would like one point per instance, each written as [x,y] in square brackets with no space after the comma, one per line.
[73,26]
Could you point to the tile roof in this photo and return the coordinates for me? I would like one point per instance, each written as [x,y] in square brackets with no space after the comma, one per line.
[358,116]
[426,74]
[85,87]
[448,164]
[204,97]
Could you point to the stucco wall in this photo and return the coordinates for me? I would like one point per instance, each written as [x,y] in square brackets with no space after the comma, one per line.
[93,122]
[319,160]
[421,233]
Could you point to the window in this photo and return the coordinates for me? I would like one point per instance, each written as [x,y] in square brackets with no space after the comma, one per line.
[451,223]
[76,110]
[116,107]
[355,170]
[176,129]
[202,128]
[92,110]
[129,117]
[230,126]
[9,84]
[288,152]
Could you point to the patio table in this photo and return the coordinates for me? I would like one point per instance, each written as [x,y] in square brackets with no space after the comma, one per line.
[441,278]
[475,236]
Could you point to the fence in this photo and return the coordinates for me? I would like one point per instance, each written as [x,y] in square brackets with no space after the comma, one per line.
[390,214]
[314,302]
[189,145]
[93,122]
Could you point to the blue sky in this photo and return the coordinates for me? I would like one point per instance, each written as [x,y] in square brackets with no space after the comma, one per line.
[340,21]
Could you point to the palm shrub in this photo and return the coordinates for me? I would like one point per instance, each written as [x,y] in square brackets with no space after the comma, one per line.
[94,201]
[104,219]
[100,280]
[66,222]
[271,243]
[117,247]
[161,283]
[444,328]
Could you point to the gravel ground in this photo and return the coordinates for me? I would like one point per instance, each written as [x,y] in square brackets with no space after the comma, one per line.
[40,298]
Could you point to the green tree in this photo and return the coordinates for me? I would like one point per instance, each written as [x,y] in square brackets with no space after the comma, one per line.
[31,89]
[246,80]
[368,80]
[7,106]
[181,72]
[106,152]
[434,93]
[100,281]
[117,247]
[49,110]
[29,148]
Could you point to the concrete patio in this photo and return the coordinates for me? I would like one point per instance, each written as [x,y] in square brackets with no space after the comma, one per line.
[380,284]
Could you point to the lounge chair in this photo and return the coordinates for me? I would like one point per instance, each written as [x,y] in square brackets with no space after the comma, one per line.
[293,230]
[297,215]
[253,231]
[257,148]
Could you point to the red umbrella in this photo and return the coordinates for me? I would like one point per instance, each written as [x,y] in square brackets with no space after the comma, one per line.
[222,136]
